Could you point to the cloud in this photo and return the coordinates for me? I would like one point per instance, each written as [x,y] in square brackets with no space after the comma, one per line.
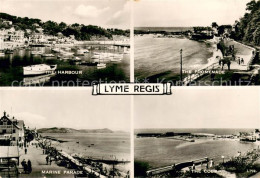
[121,17]
[89,11]
[31,120]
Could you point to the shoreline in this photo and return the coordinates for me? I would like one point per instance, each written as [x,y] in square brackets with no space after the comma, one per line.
[78,152]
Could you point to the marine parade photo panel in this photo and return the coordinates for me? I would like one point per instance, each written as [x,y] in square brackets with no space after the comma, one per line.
[79,135]
[197,43]
[65,43]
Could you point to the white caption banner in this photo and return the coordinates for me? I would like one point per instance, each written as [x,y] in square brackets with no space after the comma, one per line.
[132,89]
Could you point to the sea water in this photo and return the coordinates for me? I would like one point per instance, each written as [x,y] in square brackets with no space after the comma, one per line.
[160,57]
[162,151]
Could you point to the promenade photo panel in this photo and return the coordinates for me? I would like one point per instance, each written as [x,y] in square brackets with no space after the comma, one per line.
[200,42]
[198,133]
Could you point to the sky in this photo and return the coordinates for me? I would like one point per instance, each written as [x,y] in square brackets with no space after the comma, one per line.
[64,107]
[187,13]
[105,13]
[200,108]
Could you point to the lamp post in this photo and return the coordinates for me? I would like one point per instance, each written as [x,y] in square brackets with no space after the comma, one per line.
[223,157]
[181,65]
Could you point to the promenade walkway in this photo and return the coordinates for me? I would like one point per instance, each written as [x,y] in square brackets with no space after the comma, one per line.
[39,163]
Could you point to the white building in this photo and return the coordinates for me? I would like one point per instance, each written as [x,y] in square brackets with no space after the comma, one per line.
[11,131]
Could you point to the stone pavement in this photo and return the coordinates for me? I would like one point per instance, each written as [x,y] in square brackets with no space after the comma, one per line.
[39,164]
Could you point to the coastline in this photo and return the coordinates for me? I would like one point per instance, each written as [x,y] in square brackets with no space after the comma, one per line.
[95,151]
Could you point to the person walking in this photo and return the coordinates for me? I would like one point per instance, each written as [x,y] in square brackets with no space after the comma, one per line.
[47,159]
[228,64]
[242,61]
[23,163]
[25,150]
[29,163]
[50,160]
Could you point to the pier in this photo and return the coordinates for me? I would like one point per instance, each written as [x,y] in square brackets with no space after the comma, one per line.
[177,166]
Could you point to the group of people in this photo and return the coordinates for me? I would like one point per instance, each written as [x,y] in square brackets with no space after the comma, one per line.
[27,166]
[48,160]
[240,60]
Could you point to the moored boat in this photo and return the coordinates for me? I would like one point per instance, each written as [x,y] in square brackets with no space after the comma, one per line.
[9,51]
[56,50]
[36,52]
[101,65]
[38,69]
[48,55]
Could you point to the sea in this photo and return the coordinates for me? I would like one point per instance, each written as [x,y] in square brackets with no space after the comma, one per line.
[159,58]
[94,145]
[159,152]
[11,68]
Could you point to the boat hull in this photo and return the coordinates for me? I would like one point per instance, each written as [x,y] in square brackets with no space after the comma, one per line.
[34,70]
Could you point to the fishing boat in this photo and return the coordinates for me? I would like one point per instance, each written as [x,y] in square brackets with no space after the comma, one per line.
[48,55]
[38,69]
[36,52]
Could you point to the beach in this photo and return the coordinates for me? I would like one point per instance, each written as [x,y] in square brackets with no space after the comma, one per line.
[96,146]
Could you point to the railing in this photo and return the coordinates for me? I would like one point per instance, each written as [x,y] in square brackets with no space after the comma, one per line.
[199,73]
[176,166]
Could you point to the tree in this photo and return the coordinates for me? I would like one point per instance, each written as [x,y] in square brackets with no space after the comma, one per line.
[214,25]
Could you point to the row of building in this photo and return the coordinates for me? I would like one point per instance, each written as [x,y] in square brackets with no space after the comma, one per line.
[12,131]
[18,38]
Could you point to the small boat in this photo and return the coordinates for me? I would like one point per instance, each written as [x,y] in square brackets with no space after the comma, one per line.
[89,63]
[82,51]
[115,59]
[56,50]
[101,65]
[95,56]
[2,54]
[38,69]
[67,48]
[9,51]
[67,53]
[48,55]
[36,52]
[79,54]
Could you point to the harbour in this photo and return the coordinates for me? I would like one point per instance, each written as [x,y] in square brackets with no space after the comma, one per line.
[11,72]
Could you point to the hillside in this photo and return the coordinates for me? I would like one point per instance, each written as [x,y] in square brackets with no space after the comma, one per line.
[70,130]
[247,29]
[80,31]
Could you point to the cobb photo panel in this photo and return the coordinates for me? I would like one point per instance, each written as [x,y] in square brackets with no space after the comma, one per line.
[197,133]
